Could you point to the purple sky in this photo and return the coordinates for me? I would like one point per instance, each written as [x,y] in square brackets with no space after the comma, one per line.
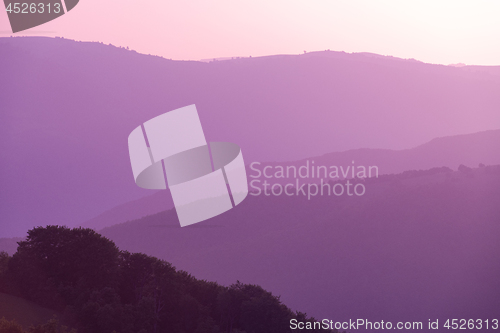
[445,32]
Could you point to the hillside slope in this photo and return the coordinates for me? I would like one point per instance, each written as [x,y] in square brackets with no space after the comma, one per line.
[416,246]
[470,150]
[26,313]
[67,108]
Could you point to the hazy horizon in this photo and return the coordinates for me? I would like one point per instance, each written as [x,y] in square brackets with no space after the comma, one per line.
[448,32]
[33,34]
[362,135]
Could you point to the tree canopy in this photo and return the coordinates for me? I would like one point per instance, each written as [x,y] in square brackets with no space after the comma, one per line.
[101,289]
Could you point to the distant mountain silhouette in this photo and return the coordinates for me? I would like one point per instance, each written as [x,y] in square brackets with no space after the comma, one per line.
[151,204]
[451,151]
[67,108]
[469,149]
[418,245]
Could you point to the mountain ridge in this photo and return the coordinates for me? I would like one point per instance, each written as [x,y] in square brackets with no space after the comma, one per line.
[470,150]
[68,107]
[407,246]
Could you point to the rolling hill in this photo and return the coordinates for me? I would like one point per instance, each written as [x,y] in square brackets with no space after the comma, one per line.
[67,108]
[417,245]
[470,150]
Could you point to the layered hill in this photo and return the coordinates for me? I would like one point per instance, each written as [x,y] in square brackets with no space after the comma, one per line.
[417,245]
[470,150]
[67,109]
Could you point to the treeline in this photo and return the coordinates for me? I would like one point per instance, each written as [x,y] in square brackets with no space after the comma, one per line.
[487,169]
[409,174]
[52,326]
[99,288]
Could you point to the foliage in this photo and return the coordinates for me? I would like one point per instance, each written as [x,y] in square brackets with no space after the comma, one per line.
[102,289]
[10,326]
[409,174]
[4,261]
[56,264]
[4,264]
[464,169]
[52,326]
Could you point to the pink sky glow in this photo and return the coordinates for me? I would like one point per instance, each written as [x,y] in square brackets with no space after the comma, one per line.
[433,31]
